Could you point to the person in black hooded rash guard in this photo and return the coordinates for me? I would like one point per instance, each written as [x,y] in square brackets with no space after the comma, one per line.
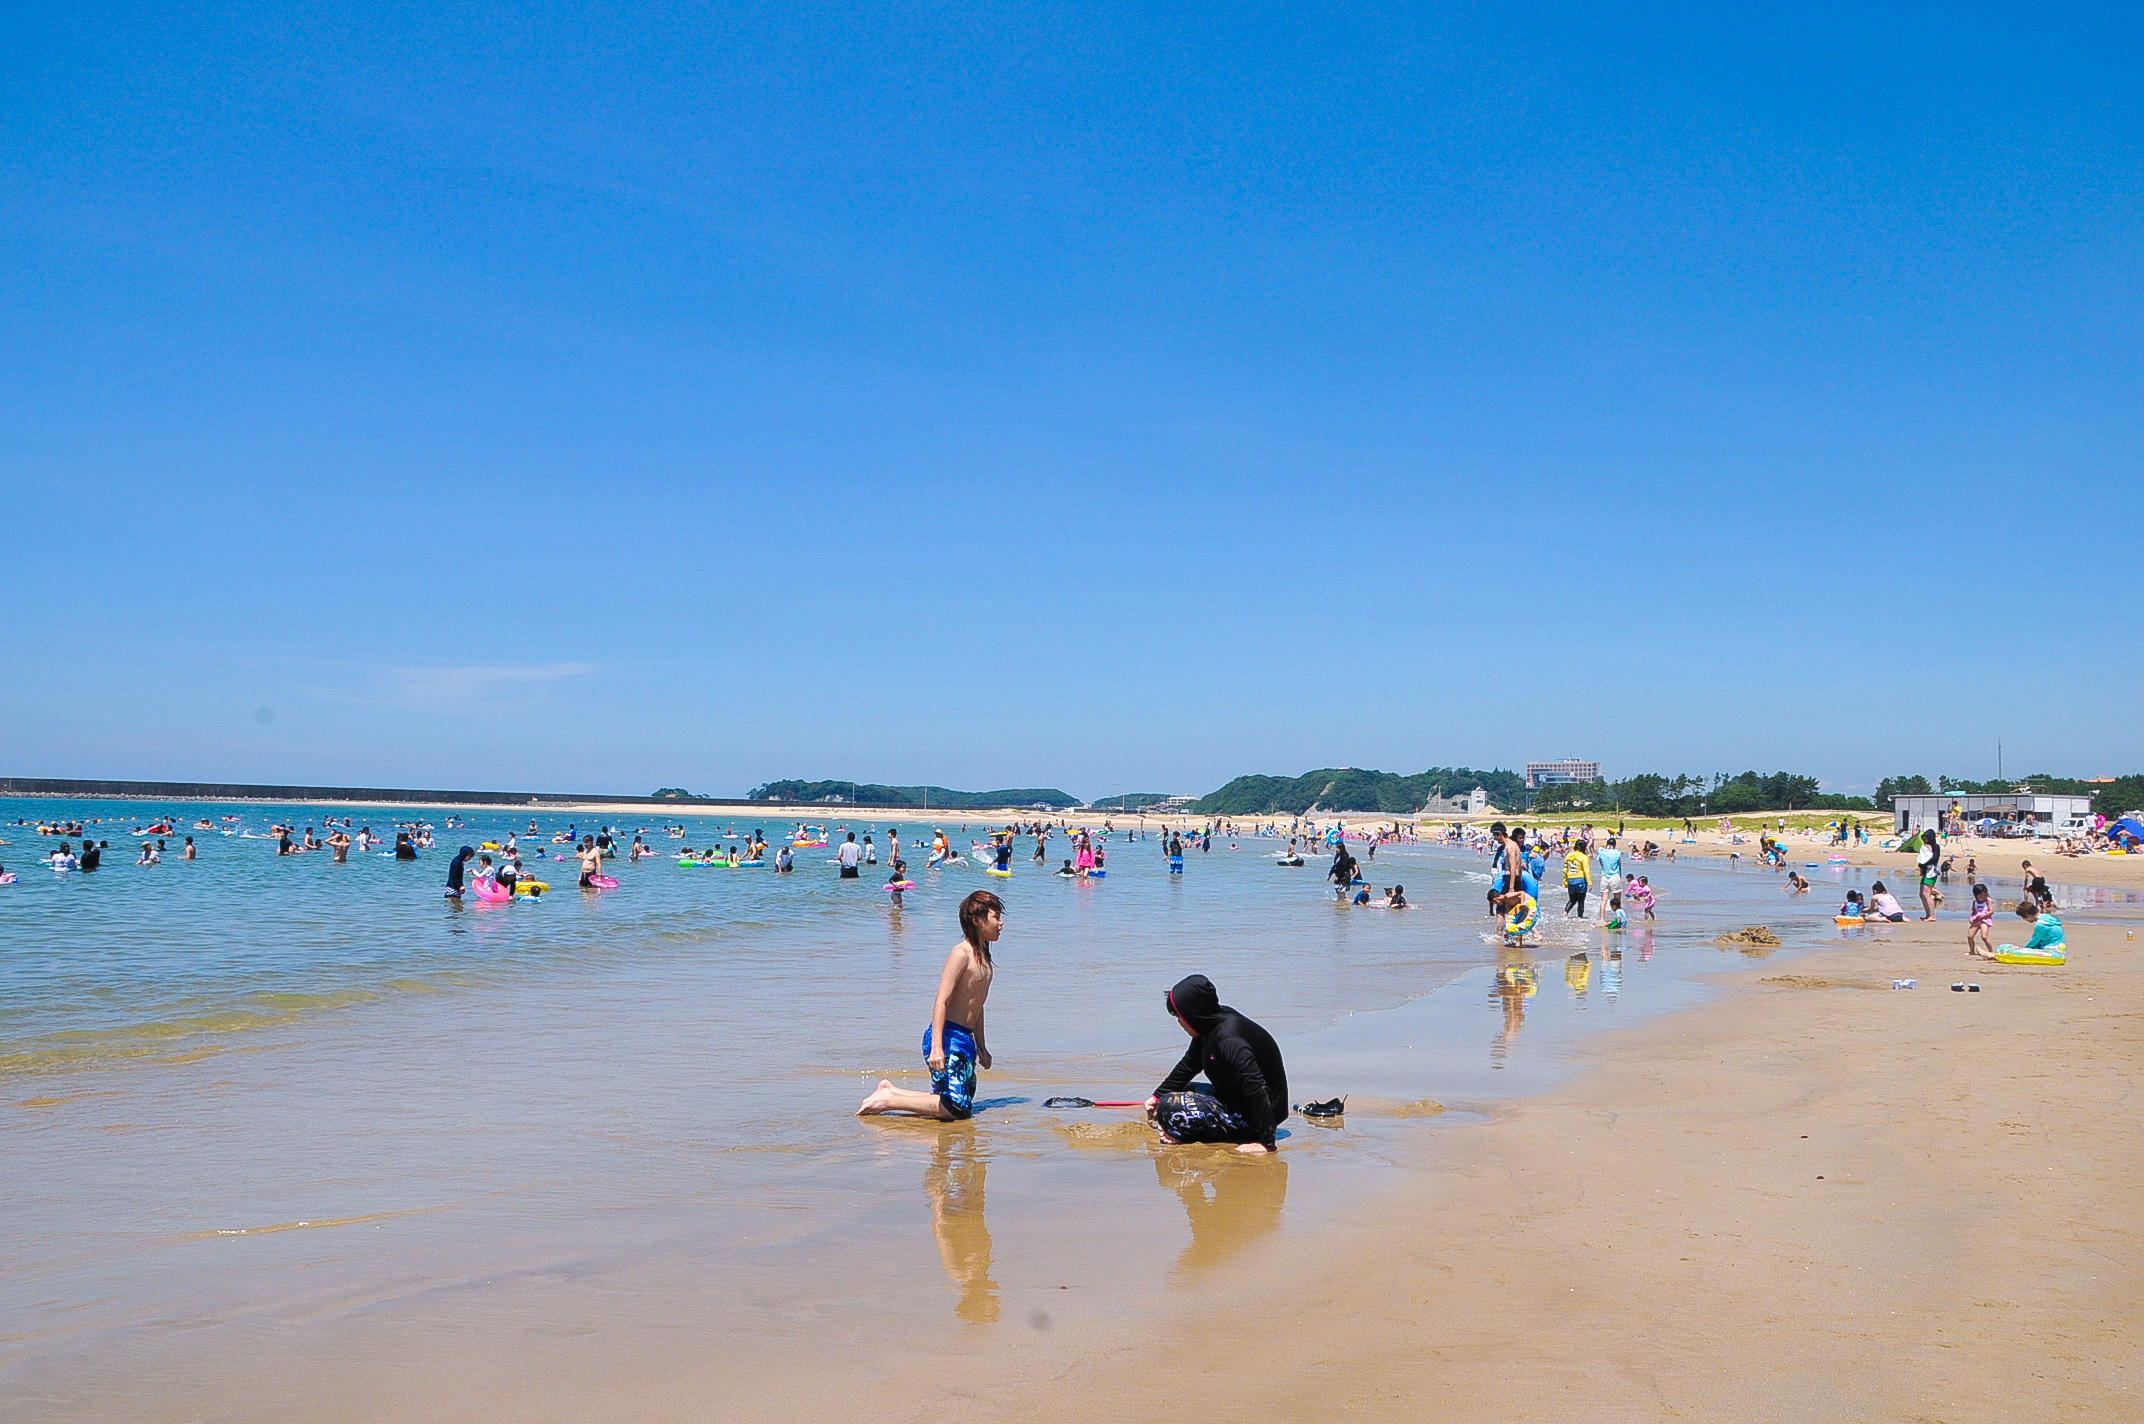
[1245,1096]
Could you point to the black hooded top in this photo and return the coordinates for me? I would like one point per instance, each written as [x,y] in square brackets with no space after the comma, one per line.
[1239,1058]
[454,867]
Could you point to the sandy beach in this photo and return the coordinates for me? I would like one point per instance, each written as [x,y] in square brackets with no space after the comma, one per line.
[1816,1198]
[1809,1196]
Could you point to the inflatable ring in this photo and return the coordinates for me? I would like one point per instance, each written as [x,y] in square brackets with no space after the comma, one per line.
[530,887]
[2017,954]
[895,887]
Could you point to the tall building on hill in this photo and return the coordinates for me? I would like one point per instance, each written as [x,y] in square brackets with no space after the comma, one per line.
[1550,773]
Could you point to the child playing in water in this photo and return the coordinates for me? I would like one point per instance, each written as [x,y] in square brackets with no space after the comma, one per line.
[954,1045]
[1521,913]
[1979,941]
[1641,894]
[1851,908]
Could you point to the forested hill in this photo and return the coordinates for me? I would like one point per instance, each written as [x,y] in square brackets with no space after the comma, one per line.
[867,793]
[1349,789]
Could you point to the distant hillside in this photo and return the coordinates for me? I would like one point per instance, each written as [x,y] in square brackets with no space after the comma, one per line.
[1348,789]
[1130,800]
[868,793]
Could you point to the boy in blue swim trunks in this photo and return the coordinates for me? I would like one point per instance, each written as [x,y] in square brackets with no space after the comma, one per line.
[954,1045]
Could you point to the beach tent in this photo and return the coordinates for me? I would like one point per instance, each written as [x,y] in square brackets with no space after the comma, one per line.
[2128,826]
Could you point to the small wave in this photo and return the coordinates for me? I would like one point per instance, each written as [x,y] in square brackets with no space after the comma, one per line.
[307,1225]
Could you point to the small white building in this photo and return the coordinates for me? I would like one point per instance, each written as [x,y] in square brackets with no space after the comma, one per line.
[1474,803]
[2042,813]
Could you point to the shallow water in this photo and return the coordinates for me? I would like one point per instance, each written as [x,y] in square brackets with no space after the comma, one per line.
[271,1122]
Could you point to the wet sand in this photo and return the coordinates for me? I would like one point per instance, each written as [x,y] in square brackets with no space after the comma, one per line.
[1809,1198]
[1815,1198]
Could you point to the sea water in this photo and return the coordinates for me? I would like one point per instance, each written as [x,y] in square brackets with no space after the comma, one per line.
[273,1121]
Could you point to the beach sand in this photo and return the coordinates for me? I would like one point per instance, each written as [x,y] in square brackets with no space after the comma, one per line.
[1815,1198]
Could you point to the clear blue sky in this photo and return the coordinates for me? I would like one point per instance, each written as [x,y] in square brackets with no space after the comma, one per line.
[1111,397]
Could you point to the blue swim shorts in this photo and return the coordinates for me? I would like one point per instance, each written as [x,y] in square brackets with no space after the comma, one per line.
[955,1085]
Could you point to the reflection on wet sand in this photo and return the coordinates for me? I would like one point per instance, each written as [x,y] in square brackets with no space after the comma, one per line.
[954,1181]
[1231,1199]
[1516,982]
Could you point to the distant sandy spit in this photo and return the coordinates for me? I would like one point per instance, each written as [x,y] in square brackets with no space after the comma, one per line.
[1815,1198]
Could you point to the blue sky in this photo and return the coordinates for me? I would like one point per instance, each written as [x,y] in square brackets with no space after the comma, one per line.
[1111,397]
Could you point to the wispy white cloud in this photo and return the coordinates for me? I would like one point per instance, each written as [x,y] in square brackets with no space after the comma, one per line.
[452,687]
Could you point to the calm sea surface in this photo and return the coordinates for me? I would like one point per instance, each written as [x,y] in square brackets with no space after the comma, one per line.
[268,1122]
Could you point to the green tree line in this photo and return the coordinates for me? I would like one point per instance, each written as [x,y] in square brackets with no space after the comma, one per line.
[1654,794]
[868,793]
[1352,789]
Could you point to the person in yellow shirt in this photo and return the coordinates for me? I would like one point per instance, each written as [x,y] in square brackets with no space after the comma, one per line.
[1577,873]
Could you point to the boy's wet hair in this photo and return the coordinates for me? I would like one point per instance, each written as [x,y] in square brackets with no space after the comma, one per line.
[978,904]
[2027,910]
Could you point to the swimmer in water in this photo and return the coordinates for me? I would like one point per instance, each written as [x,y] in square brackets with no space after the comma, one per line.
[954,1045]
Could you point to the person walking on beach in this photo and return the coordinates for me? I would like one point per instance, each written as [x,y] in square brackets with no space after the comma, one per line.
[1245,1095]
[1979,940]
[954,1045]
[1928,860]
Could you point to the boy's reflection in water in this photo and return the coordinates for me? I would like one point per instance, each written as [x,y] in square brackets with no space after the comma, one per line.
[1516,982]
[1231,1199]
[954,1182]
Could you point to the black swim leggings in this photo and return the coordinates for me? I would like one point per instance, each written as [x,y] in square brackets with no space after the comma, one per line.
[1577,900]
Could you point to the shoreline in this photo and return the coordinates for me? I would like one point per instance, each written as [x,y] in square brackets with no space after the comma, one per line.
[1810,1197]
[1645,1237]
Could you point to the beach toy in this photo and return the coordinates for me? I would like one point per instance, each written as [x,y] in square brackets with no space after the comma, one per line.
[7,878]
[530,887]
[1848,921]
[490,891]
[1002,874]
[893,886]
[2045,954]
[748,865]
[602,882]
[1095,874]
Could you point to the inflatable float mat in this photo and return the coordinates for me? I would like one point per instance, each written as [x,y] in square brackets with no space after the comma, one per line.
[602,882]
[2018,954]
[1849,921]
